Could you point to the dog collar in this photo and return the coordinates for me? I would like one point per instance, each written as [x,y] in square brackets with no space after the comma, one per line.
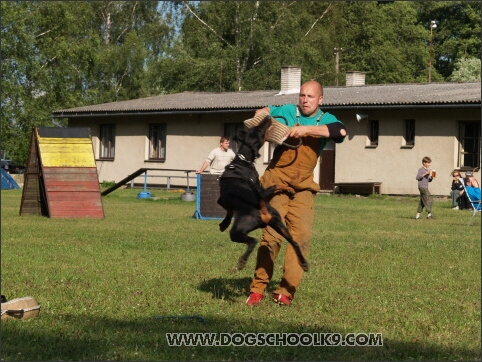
[242,158]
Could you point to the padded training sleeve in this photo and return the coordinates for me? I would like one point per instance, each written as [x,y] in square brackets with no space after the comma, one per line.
[335,131]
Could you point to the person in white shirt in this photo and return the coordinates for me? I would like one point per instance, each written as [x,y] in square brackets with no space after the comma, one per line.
[218,158]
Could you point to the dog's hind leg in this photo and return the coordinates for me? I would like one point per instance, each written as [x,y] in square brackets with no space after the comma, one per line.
[239,234]
[243,259]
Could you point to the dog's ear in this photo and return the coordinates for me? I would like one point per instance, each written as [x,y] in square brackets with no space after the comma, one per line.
[240,135]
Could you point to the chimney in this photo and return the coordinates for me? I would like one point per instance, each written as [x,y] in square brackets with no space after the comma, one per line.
[290,80]
[355,78]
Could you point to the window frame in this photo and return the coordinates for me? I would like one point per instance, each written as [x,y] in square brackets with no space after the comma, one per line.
[107,136]
[373,133]
[463,140]
[157,138]
[409,133]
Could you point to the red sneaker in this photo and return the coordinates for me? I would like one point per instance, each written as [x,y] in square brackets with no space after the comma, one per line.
[254,298]
[281,299]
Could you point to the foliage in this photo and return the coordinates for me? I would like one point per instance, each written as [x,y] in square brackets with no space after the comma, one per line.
[389,47]
[58,56]
[110,289]
[458,22]
[466,70]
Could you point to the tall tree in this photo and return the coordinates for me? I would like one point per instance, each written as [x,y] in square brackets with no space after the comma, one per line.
[242,45]
[226,46]
[384,40]
[133,36]
[45,47]
[457,34]
[56,56]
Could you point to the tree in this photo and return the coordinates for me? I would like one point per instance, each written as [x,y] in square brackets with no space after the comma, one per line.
[58,56]
[231,46]
[457,34]
[466,70]
[382,39]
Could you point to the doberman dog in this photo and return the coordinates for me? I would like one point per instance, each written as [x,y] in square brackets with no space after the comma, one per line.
[243,197]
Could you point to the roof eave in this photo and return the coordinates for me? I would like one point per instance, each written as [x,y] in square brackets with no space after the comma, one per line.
[67,114]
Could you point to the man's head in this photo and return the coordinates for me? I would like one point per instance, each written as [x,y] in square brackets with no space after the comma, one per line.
[224,143]
[310,98]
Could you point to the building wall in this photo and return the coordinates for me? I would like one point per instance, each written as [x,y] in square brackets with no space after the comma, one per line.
[436,136]
[191,137]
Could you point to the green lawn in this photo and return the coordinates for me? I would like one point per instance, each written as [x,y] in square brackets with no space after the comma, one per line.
[112,289]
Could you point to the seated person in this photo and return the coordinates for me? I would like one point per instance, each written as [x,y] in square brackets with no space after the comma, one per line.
[470,180]
[473,189]
[455,190]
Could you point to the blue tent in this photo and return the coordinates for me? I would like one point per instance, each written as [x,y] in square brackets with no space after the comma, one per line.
[8,183]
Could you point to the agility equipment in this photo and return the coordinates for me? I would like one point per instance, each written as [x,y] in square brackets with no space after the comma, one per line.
[207,195]
[61,178]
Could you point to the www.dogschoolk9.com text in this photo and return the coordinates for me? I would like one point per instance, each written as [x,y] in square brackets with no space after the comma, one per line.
[275,339]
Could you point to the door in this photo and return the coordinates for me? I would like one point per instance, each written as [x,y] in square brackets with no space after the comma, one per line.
[327,167]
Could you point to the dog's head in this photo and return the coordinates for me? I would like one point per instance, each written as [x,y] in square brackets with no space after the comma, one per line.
[254,137]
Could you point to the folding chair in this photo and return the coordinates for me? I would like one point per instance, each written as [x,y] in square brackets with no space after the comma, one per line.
[474,199]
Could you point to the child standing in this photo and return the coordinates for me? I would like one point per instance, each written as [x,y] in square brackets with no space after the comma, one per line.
[424,176]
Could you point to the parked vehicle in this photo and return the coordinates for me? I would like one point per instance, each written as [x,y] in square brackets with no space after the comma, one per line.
[11,167]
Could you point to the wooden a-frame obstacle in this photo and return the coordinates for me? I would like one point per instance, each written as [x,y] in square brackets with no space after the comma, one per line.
[61,178]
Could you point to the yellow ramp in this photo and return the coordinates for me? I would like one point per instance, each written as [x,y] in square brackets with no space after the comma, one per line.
[66,152]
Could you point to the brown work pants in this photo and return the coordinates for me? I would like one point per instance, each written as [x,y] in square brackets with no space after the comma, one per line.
[294,168]
[298,213]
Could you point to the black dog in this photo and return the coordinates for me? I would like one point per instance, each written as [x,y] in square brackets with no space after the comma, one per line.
[243,197]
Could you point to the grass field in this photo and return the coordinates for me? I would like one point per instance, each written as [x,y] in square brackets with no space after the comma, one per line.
[112,289]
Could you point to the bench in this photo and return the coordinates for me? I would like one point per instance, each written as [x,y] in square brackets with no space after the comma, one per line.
[357,187]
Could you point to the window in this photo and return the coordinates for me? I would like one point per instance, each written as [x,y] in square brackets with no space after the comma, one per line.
[107,141]
[157,141]
[230,130]
[373,133]
[469,148]
[409,132]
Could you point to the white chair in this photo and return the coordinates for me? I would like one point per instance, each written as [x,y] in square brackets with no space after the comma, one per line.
[476,204]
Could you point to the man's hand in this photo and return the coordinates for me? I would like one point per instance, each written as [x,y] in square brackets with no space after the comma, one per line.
[298,131]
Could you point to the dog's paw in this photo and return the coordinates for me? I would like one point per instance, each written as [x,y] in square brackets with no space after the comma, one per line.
[241,263]
[223,226]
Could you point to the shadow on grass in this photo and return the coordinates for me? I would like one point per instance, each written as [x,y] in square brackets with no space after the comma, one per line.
[74,337]
[229,289]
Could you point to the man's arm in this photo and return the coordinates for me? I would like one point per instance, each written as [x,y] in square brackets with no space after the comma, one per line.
[333,130]
[203,167]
